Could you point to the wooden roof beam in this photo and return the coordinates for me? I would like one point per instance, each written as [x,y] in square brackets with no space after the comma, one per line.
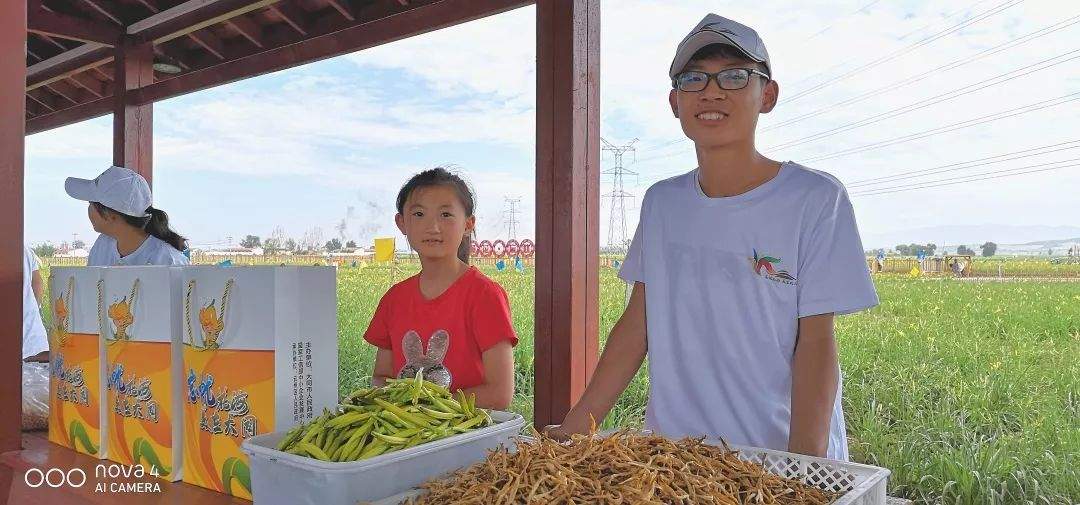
[210,42]
[103,75]
[150,5]
[67,91]
[33,109]
[418,20]
[49,120]
[32,54]
[317,24]
[76,60]
[63,26]
[54,42]
[247,29]
[182,58]
[93,86]
[96,6]
[191,16]
[207,41]
[42,99]
[169,24]
[293,16]
[344,7]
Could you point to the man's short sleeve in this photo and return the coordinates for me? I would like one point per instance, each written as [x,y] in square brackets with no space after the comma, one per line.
[633,267]
[833,274]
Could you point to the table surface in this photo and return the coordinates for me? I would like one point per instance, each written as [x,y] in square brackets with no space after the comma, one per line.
[38,452]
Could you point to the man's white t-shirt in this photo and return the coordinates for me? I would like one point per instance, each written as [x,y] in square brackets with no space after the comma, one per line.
[153,251]
[35,340]
[726,280]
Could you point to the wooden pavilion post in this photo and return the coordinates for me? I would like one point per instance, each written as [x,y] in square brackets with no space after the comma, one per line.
[133,125]
[567,203]
[12,125]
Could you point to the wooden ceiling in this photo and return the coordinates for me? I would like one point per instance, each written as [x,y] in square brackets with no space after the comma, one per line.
[71,44]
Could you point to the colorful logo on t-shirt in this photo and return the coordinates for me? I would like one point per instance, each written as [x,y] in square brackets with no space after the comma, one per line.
[768,264]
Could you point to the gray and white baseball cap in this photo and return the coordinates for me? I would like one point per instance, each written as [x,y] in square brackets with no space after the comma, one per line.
[118,188]
[714,29]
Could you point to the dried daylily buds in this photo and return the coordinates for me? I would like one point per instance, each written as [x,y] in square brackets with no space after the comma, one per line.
[622,468]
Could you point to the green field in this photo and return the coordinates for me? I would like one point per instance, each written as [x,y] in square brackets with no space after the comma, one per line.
[968,391]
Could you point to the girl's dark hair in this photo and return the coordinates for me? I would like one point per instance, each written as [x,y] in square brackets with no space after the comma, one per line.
[442,177]
[156,224]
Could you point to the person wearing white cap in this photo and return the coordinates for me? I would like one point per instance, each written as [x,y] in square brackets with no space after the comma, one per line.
[132,231]
[738,268]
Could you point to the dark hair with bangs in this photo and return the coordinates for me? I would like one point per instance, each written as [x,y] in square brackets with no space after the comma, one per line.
[440,176]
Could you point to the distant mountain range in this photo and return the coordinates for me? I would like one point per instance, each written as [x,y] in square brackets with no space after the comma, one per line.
[1010,238]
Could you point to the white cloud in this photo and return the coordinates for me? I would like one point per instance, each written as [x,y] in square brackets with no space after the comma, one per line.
[493,56]
[474,85]
[88,139]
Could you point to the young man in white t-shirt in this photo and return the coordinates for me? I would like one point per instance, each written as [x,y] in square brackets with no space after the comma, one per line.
[738,267]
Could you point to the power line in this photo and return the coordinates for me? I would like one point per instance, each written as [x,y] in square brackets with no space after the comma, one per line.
[617,220]
[831,25]
[1010,44]
[936,99]
[664,144]
[971,178]
[1016,42]
[907,49]
[952,65]
[947,16]
[965,165]
[962,177]
[1053,102]
[908,34]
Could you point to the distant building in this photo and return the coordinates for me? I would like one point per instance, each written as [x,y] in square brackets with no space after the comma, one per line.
[234,251]
[72,253]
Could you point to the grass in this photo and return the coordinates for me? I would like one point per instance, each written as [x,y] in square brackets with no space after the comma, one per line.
[968,391]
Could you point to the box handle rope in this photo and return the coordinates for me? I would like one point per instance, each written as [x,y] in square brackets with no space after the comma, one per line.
[121,312]
[211,323]
[62,315]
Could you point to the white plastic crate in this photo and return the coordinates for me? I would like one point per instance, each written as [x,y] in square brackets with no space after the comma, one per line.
[280,478]
[860,484]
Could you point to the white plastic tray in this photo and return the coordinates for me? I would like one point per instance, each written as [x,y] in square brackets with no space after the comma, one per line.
[280,478]
[860,484]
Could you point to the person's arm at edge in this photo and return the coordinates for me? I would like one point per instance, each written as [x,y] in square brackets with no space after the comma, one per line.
[815,373]
[623,354]
[497,391]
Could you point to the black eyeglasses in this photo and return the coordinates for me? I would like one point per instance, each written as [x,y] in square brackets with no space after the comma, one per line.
[728,79]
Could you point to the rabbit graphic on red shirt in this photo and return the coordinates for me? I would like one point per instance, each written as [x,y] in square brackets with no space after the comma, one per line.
[429,364]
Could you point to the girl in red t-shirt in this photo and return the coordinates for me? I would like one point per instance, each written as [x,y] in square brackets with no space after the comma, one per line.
[435,213]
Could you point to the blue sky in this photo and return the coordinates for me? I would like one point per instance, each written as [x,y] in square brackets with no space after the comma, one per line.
[297,149]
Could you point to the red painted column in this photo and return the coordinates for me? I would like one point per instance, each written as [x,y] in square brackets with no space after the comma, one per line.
[567,203]
[133,125]
[12,128]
